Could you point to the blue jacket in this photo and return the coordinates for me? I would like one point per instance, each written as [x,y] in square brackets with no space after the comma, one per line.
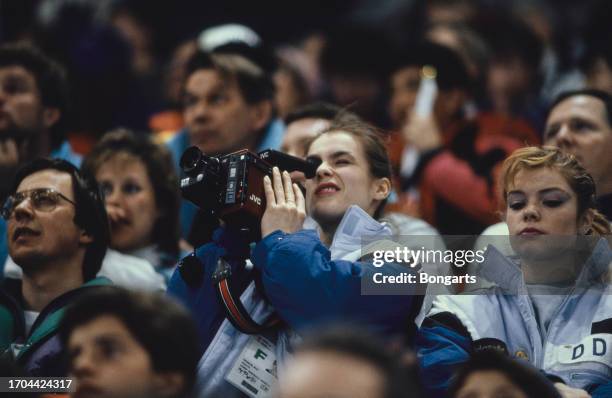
[294,267]
[302,284]
[577,347]
[180,142]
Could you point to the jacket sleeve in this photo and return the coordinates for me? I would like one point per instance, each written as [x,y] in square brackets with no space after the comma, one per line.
[307,288]
[442,345]
[603,391]
[201,301]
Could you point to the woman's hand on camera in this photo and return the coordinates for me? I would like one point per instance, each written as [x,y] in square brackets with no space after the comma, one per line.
[285,208]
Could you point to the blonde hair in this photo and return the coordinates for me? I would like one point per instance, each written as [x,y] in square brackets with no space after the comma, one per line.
[581,182]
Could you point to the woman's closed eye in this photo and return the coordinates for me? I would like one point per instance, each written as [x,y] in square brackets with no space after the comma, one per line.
[553,202]
[516,200]
[342,162]
[517,205]
[554,199]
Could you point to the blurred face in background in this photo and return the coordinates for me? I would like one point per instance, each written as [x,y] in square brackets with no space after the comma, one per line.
[599,76]
[509,81]
[330,374]
[22,113]
[489,384]
[130,201]
[299,133]
[218,118]
[404,85]
[358,92]
[106,361]
[579,125]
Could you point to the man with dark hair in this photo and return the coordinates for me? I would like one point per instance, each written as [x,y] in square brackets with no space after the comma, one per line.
[445,156]
[33,110]
[580,122]
[345,362]
[57,234]
[306,122]
[34,105]
[227,106]
[127,344]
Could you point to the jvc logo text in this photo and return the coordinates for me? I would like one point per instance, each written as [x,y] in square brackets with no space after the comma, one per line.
[255,199]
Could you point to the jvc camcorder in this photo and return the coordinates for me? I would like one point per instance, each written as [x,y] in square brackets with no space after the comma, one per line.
[230,187]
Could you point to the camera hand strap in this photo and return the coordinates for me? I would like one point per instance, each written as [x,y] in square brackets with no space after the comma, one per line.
[234,310]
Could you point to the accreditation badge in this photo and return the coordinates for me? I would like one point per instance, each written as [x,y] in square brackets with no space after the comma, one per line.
[254,372]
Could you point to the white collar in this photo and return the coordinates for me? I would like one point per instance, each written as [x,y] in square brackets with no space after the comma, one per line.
[355,226]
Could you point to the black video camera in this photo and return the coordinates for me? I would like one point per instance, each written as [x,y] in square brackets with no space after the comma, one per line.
[230,187]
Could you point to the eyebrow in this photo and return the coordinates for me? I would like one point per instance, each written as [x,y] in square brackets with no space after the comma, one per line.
[106,336]
[541,192]
[341,153]
[334,155]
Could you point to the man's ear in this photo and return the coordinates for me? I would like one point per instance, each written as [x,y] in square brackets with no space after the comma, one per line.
[168,384]
[51,116]
[382,188]
[261,113]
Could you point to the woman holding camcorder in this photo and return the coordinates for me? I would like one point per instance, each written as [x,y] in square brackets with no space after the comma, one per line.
[308,277]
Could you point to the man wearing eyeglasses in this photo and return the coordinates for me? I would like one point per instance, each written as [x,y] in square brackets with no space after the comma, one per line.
[57,234]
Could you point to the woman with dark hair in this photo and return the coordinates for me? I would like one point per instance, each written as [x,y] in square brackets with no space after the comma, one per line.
[142,197]
[550,305]
[308,277]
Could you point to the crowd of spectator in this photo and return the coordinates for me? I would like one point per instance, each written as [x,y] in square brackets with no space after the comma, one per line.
[432,125]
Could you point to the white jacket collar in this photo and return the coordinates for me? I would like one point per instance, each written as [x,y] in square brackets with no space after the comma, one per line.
[355,226]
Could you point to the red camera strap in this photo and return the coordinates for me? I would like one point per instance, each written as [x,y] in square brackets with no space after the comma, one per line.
[234,310]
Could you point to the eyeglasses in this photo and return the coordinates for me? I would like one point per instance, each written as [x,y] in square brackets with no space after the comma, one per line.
[42,199]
